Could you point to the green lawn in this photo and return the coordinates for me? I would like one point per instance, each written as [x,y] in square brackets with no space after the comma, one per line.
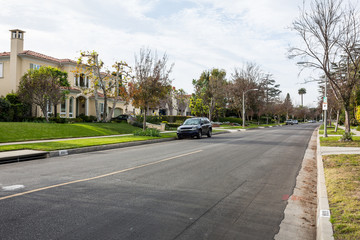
[331,131]
[22,131]
[79,143]
[342,174]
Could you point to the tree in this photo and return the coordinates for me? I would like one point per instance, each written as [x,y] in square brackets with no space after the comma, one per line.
[330,32]
[182,100]
[41,87]
[287,105]
[301,92]
[57,96]
[152,82]
[272,92]
[197,106]
[211,88]
[117,88]
[111,84]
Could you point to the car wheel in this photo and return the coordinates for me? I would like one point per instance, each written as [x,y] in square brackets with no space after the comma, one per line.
[179,137]
[199,134]
[209,134]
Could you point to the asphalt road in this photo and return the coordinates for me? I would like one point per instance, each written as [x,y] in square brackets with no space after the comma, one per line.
[230,186]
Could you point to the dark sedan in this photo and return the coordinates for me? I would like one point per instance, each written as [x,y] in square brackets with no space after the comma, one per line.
[195,127]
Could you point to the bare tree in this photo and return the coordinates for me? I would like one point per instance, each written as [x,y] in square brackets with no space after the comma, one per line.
[330,32]
[244,79]
[152,82]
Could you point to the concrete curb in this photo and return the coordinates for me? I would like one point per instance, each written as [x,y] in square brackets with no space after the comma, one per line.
[324,229]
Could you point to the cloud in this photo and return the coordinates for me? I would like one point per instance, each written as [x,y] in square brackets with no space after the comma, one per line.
[196,34]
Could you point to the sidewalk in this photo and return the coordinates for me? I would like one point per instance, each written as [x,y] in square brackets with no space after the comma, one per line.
[324,227]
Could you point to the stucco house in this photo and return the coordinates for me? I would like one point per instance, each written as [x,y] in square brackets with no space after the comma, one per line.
[14,64]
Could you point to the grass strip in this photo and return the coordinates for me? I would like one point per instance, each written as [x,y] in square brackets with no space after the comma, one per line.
[331,131]
[333,141]
[24,131]
[342,174]
[80,143]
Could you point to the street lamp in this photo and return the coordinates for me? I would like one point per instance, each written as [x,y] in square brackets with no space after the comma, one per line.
[243,122]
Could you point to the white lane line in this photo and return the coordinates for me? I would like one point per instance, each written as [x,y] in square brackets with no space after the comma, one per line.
[12,187]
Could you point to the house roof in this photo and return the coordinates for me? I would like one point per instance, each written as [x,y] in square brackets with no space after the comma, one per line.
[45,57]
[5,54]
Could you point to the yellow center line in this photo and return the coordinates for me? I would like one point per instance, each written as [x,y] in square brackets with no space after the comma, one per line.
[97,177]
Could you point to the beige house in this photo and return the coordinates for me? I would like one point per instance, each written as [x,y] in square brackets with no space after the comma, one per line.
[14,64]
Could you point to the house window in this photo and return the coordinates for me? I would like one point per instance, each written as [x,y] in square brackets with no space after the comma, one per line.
[71,107]
[48,109]
[82,80]
[101,107]
[63,108]
[34,66]
[1,70]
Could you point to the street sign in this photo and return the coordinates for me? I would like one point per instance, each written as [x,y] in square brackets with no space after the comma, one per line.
[325,106]
[325,100]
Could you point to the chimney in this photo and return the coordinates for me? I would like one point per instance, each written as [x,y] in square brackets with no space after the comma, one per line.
[17,46]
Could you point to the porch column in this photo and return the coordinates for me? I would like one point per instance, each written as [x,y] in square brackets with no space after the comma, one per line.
[87,106]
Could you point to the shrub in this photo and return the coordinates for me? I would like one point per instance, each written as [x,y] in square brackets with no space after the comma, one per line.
[58,120]
[346,137]
[160,119]
[87,118]
[151,132]
[5,107]
[231,120]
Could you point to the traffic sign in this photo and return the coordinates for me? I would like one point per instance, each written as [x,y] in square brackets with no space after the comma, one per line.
[325,107]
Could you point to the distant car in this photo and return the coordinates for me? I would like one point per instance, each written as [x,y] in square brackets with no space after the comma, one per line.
[120,118]
[289,122]
[312,121]
[195,127]
[295,121]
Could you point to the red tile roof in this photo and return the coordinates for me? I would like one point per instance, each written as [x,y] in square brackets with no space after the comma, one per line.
[45,57]
[4,54]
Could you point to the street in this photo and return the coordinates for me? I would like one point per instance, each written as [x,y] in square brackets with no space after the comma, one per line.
[230,186]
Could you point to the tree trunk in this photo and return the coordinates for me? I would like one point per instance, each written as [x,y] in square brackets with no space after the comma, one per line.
[109,116]
[347,121]
[44,110]
[337,120]
[98,117]
[55,110]
[329,117]
[105,107]
[146,108]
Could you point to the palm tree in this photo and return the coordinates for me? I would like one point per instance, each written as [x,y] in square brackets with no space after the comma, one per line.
[301,92]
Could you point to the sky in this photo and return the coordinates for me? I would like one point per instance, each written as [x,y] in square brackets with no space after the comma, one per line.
[196,35]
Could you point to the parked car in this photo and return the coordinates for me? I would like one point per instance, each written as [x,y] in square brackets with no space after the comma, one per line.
[295,121]
[120,118]
[289,122]
[195,127]
[312,121]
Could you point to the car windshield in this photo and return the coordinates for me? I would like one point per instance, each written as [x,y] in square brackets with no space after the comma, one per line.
[192,122]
